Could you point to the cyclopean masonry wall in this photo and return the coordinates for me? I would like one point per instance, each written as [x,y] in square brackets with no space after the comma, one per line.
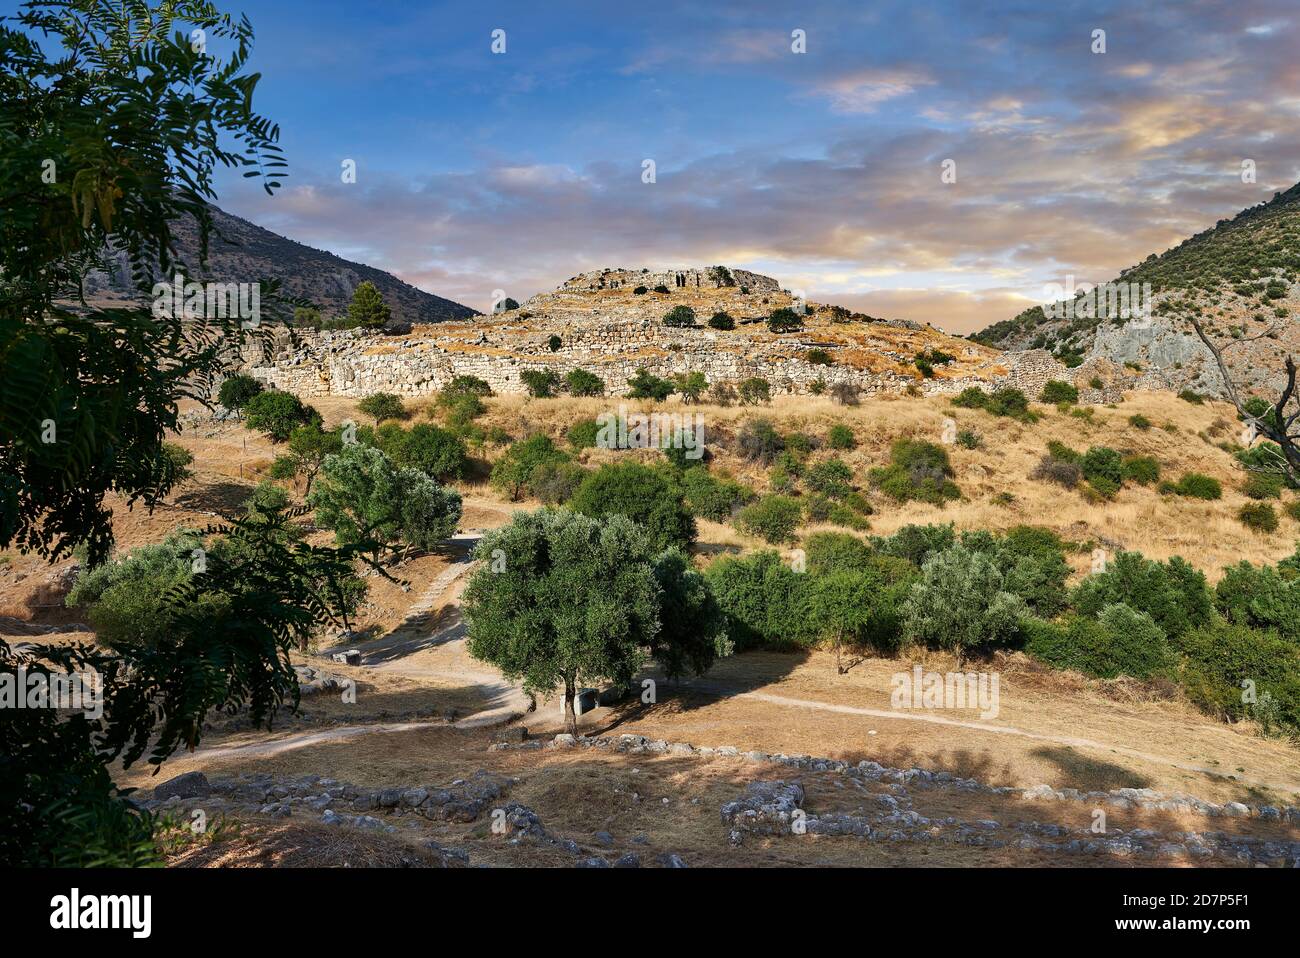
[348,363]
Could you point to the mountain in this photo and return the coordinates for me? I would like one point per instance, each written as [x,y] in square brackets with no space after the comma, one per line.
[240,251]
[1241,278]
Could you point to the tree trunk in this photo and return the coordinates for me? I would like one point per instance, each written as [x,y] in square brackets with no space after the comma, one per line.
[570,718]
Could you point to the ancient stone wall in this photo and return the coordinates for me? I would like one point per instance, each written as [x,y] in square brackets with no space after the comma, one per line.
[348,363]
[682,278]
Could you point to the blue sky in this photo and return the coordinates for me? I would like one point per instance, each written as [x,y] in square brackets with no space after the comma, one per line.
[478,170]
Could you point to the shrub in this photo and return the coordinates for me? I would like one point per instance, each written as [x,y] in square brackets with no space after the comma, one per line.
[1144,470]
[972,397]
[645,385]
[1222,659]
[1259,516]
[764,601]
[278,414]
[713,498]
[1260,598]
[831,478]
[582,435]
[819,357]
[969,439]
[553,343]
[680,315]
[784,320]
[642,494]
[1060,451]
[465,386]
[753,391]
[661,288]
[1120,641]
[1032,559]
[916,543]
[179,459]
[840,436]
[960,604]
[1174,594]
[918,471]
[579,382]
[381,406]
[1103,467]
[513,472]
[835,551]
[540,383]
[236,391]
[1293,510]
[722,320]
[1264,485]
[690,386]
[434,451]
[1009,402]
[722,393]
[773,519]
[555,482]
[1198,486]
[1050,469]
[854,608]
[125,598]
[1139,421]
[1056,391]
[846,394]
[1191,396]
[641,291]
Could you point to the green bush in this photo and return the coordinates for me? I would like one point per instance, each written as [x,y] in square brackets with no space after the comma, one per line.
[856,607]
[1261,598]
[1056,391]
[642,494]
[713,498]
[690,386]
[553,343]
[840,436]
[760,442]
[765,602]
[513,472]
[722,320]
[1139,421]
[1258,516]
[1063,453]
[1144,470]
[579,382]
[961,604]
[918,471]
[278,414]
[1198,486]
[381,406]
[754,391]
[555,482]
[1103,463]
[583,434]
[969,439]
[1227,664]
[819,357]
[1174,594]
[773,518]
[680,316]
[434,451]
[540,383]
[1264,485]
[236,391]
[1191,396]
[831,478]
[1120,641]
[645,385]
[125,598]
[916,543]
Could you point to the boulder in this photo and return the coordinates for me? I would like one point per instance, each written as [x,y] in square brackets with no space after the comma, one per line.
[189,785]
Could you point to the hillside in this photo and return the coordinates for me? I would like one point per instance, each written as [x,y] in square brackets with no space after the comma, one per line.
[241,251]
[612,323]
[1240,277]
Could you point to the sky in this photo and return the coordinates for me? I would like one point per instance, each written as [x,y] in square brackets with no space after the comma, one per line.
[478,171]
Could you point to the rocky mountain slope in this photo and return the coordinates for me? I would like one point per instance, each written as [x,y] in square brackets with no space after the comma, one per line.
[1241,278]
[241,251]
